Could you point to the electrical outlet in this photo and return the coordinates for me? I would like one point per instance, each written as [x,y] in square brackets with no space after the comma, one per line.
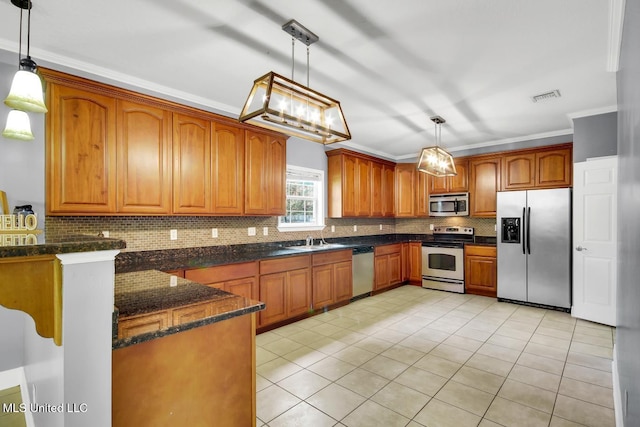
[173,234]
[251,231]
[333,228]
[355,228]
[265,231]
[495,227]
[214,233]
[431,226]
[173,281]
[380,227]
[105,234]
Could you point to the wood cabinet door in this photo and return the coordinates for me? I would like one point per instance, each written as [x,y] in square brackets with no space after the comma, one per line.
[323,286]
[81,152]
[191,165]
[298,291]
[438,185]
[483,186]
[422,194]
[388,191]
[377,191]
[415,262]
[518,171]
[265,174]
[460,182]
[481,275]
[363,187]
[246,287]
[343,281]
[273,292]
[276,176]
[554,168]
[395,268]
[349,190]
[405,190]
[144,155]
[227,169]
[381,272]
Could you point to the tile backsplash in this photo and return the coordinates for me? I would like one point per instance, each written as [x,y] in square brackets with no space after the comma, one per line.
[153,233]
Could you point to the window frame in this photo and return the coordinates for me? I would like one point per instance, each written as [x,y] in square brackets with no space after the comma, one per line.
[316,175]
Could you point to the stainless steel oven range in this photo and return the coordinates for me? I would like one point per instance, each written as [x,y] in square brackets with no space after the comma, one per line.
[443,258]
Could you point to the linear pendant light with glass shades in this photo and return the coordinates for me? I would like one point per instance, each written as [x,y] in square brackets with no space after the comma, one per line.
[25,94]
[435,160]
[278,103]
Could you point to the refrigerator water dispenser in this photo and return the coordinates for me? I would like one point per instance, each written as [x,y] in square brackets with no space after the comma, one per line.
[510,230]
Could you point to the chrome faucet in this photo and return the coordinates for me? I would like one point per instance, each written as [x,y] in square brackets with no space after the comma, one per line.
[309,240]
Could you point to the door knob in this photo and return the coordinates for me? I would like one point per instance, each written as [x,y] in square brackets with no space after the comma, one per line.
[580,248]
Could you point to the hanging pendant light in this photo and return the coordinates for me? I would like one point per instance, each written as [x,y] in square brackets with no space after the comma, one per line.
[26,89]
[434,160]
[18,126]
[278,103]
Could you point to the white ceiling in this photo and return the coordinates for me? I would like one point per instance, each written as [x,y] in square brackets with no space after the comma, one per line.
[392,64]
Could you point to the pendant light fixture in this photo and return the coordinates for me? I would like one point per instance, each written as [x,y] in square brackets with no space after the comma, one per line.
[278,103]
[434,160]
[18,126]
[26,88]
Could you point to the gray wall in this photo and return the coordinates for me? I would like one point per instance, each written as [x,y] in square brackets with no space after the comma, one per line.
[22,178]
[628,330]
[595,136]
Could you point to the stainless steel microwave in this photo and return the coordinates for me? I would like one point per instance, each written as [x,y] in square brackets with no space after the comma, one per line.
[449,204]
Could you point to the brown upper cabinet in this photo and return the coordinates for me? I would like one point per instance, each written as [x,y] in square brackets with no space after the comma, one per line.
[412,191]
[110,151]
[265,174]
[484,173]
[359,185]
[191,165]
[452,184]
[81,151]
[144,154]
[550,167]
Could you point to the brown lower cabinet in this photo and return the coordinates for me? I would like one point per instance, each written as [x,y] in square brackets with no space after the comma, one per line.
[332,278]
[387,266]
[480,270]
[285,288]
[202,376]
[240,279]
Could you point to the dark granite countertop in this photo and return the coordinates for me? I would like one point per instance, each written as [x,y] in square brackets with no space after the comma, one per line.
[68,244]
[178,259]
[154,292]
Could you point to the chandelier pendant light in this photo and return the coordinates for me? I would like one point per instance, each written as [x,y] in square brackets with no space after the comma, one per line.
[281,104]
[435,160]
[26,89]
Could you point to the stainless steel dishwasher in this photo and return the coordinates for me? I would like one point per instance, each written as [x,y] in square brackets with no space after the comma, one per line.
[362,271]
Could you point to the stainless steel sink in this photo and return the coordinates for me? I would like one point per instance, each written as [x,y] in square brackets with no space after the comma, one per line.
[309,248]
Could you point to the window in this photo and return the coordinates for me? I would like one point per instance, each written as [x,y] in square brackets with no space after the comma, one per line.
[305,197]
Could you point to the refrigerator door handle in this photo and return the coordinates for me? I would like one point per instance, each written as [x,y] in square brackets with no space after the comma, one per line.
[524,222]
[529,231]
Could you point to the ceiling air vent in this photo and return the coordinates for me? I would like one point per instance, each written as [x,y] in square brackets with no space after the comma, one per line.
[546,96]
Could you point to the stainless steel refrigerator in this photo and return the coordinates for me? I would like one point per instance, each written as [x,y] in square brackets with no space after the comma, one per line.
[534,246]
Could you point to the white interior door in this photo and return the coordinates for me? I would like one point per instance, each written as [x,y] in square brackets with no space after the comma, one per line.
[595,240]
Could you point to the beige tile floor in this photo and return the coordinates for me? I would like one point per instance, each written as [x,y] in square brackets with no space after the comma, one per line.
[417,357]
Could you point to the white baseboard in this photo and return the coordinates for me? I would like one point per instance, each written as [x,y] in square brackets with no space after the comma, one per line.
[617,395]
